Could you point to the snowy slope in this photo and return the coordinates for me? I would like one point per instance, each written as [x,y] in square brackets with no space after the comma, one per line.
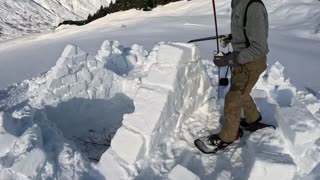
[293,38]
[29,16]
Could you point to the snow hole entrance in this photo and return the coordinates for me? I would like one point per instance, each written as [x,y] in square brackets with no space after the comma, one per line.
[91,123]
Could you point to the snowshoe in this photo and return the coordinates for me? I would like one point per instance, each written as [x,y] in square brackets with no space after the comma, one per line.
[212,144]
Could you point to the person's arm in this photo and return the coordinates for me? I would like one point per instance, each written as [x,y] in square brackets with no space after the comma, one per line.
[257,33]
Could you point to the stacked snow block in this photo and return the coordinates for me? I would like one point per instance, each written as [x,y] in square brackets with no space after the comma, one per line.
[301,131]
[179,172]
[78,75]
[270,159]
[176,85]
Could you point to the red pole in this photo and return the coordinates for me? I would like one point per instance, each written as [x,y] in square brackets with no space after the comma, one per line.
[215,22]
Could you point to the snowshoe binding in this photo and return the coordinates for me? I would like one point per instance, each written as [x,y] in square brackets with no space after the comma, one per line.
[252,127]
[212,144]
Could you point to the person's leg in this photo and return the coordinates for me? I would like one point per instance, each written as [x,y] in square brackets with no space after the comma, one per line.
[242,81]
[232,105]
[250,109]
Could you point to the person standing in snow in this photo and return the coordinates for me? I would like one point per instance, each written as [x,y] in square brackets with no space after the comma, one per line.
[249,33]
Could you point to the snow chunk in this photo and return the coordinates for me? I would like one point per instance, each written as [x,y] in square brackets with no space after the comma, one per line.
[179,172]
[128,145]
[31,163]
[272,166]
[266,140]
[110,167]
[298,125]
[301,130]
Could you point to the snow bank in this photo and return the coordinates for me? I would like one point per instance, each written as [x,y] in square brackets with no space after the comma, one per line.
[296,114]
[175,86]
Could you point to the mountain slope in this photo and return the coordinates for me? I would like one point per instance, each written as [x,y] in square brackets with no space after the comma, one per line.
[29,16]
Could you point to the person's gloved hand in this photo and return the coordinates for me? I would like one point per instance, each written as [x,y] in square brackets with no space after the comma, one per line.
[224,41]
[222,59]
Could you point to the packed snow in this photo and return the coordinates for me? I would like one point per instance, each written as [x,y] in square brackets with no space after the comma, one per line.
[107,110]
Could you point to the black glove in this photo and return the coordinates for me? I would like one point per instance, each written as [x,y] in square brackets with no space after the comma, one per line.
[229,59]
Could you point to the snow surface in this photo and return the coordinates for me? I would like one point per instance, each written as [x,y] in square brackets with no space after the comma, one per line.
[132,111]
[83,120]
[293,41]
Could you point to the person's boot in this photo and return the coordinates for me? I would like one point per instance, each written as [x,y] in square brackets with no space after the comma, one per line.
[252,127]
[246,125]
[215,140]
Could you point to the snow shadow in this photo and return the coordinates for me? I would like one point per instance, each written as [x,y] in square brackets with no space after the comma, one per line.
[284,97]
[118,63]
[267,111]
[91,123]
[313,92]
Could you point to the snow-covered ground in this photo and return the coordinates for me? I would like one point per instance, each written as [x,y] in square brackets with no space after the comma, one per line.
[294,38]
[132,112]
[19,18]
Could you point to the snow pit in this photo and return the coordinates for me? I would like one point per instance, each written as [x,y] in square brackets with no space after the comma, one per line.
[87,104]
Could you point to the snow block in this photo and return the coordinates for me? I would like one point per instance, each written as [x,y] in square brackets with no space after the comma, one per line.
[110,167]
[149,105]
[272,166]
[310,159]
[266,140]
[31,163]
[69,51]
[128,145]
[163,76]
[60,92]
[298,125]
[84,75]
[69,79]
[181,173]
[301,131]
[9,174]
[78,87]
[170,55]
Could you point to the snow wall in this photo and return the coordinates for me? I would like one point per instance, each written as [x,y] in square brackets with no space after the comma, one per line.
[52,125]
[173,89]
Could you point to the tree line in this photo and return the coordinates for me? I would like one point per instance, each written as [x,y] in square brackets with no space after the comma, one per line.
[119,5]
